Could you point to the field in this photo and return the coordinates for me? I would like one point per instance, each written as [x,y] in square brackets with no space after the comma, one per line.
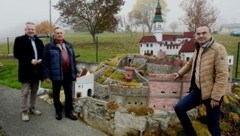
[109,45]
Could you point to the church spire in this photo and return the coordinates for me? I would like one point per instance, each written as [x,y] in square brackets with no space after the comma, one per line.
[158,14]
[158,23]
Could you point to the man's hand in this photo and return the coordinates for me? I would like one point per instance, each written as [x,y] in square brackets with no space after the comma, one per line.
[34,62]
[39,61]
[47,80]
[214,103]
[78,75]
[175,75]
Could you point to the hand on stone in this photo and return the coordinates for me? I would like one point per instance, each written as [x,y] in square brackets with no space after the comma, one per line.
[47,80]
[175,75]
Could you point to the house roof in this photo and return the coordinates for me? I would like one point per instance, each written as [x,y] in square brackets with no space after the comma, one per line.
[169,37]
[145,39]
[188,46]
[166,37]
[188,34]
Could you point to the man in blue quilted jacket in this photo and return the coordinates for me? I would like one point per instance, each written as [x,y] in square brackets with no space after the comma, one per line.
[59,66]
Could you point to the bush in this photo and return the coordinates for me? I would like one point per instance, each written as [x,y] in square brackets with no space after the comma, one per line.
[140,110]
[112,106]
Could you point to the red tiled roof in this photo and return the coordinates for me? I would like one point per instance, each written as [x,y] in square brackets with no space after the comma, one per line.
[83,73]
[148,39]
[188,46]
[166,37]
[188,34]
[169,37]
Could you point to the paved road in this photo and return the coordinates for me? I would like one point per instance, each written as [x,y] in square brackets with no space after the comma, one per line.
[44,125]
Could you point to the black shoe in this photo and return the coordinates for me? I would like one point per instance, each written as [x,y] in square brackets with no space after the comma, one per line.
[58,116]
[71,116]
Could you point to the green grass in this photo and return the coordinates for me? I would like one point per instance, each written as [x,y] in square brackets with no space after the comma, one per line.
[110,45]
[8,74]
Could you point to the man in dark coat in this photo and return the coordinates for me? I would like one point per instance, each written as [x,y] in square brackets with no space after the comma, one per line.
[28,49]
[59,66]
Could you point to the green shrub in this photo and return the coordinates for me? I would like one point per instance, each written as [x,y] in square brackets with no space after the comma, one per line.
[225,126]
[231,107]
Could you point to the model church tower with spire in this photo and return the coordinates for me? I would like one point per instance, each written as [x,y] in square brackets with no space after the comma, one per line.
[160,44]
[158,23]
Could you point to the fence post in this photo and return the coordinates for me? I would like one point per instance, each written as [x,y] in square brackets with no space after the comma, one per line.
[96,40]
[7,45]
[236,73]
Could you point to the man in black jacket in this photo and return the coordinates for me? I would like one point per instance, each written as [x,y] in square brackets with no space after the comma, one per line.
[28,49]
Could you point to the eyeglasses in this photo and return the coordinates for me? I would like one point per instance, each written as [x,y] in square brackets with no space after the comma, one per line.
[203,33]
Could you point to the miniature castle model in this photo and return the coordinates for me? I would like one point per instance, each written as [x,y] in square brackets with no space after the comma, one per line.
[140,80]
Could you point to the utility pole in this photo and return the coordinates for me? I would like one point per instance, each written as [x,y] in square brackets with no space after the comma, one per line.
[50,20]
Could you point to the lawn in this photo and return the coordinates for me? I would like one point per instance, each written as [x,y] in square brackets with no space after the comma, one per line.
[110,45]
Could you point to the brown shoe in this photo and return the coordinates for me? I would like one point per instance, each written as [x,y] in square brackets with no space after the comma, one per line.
[25,116]
[34,111]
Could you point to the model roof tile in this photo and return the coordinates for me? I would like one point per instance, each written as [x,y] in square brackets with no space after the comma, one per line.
[188,46]
[148,39]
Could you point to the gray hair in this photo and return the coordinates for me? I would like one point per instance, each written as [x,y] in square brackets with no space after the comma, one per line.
[29,23]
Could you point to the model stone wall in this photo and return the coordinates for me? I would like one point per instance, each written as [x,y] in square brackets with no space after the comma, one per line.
[119,122]
[165,92]
[126,96]
[162,69]
[101,91]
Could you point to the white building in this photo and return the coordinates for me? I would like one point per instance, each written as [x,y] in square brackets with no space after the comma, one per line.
[160,43]
[84,85]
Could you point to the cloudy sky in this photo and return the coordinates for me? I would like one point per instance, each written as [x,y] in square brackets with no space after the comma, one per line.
[14,13]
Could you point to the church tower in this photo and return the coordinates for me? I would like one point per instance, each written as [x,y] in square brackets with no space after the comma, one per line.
[158,23]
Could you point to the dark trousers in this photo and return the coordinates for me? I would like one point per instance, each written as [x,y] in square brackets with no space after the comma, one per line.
[191,101]
[67,86]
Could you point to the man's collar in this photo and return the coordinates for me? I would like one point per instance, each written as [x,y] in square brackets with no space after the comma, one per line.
[206,44]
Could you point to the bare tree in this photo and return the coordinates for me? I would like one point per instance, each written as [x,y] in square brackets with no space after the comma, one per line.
[173,26]
[198,12]
[96,15]
[130,24]
[144,11]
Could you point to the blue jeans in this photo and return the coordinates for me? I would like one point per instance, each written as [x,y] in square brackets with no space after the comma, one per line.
[191,101]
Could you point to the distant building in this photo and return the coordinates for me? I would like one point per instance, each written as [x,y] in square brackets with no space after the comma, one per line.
[228,28]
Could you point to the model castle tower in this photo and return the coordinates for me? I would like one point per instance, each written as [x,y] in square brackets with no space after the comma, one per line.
[158,23]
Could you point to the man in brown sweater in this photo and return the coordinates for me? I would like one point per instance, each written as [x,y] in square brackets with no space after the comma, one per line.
[209,67]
